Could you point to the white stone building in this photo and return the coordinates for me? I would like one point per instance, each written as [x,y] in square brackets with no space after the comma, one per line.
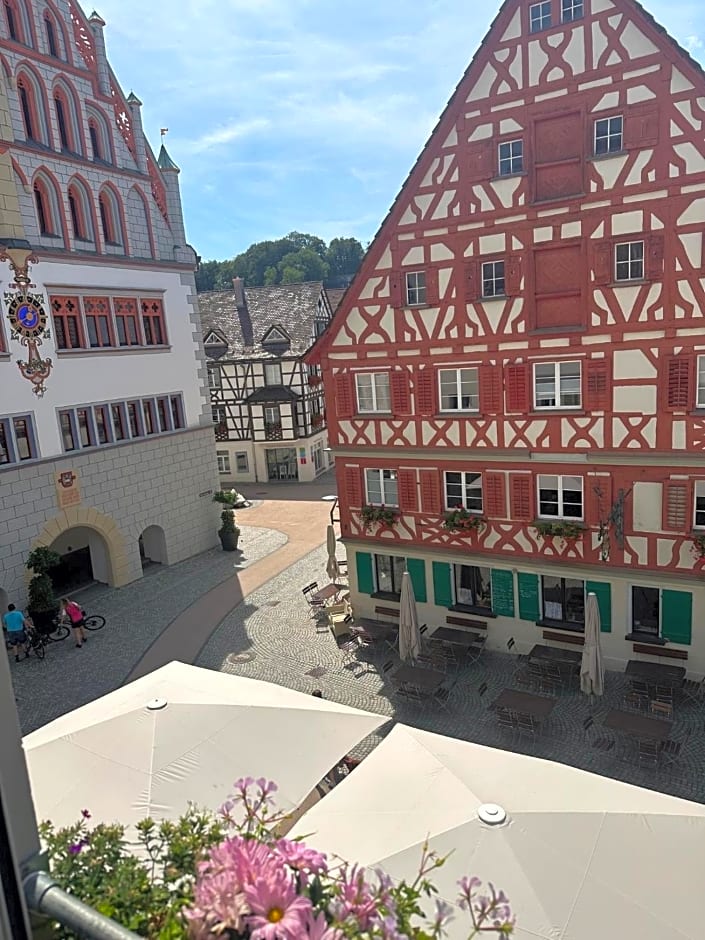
[267,405]
[106,443]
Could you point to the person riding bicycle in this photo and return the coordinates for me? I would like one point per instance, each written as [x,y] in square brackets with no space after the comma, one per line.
[75,614]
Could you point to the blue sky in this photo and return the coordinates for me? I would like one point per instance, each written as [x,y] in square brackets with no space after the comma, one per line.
[302,114]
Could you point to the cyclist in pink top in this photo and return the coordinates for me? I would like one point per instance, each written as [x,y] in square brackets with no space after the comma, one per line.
[71,610]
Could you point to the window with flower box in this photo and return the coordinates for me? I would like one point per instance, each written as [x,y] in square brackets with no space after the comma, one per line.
[381,487]
[96,425]
[463,488]
[107,322]
[560,497]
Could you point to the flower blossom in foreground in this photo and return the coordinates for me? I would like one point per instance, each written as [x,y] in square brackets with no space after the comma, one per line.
[301,857]
[278,912]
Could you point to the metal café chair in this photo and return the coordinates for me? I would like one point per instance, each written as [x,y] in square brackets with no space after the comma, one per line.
[551,680]
[661,709]
[694,691]
[648,753]
[527,726]
[635,700]
[507,721]
[596,739]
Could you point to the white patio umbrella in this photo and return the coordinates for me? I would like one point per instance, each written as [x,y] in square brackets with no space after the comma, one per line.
[592,672]
[579,856]
[409,636]
[332,569]
[183,734]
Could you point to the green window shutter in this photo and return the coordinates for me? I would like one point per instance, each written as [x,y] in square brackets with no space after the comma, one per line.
[442,591]
[677,616]
[502,593]
[528,585]
[603,592]
[417,572]
[365,580]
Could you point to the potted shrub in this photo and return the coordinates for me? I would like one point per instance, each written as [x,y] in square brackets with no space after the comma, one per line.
[42,604]
[228,531]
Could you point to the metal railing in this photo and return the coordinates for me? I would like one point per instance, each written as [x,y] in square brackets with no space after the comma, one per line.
[44,896]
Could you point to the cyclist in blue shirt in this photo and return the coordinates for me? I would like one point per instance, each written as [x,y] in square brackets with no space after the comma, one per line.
[16,637]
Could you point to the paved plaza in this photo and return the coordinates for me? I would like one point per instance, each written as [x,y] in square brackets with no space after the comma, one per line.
[271,634]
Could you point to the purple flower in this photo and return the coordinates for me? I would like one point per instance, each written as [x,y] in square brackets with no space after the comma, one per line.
[299,856]
[76,847]
[278,913]
[85,814]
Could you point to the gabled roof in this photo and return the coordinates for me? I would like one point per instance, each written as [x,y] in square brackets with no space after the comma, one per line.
[443,127]
[291,308]
[276,336]
[335,295]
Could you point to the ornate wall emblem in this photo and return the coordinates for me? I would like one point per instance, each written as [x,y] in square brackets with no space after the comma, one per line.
[28,325]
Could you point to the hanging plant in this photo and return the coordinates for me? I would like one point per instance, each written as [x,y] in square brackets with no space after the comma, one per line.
[314,380]
[558,530]
[461,519]
[382,514]
[699,545]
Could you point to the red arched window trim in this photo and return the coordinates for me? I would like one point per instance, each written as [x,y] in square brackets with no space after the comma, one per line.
[63,119]
[50,31]
[43,206]
[78,215]
[29,109]
[109,223]
[14,21]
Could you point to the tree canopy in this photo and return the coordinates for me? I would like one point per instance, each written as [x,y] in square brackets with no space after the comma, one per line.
[296,257]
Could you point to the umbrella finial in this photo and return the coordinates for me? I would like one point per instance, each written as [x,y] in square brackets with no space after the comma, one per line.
[491,814]
[156,704]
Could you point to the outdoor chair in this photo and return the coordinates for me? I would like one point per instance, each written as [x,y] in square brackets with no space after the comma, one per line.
[526,726]
[673,749]
[596,739]
[550,681]
[635,701]
[661,709]
[507,721]
[476,650]
[481,691]
[441,696]
[663,693]
[639,686]
[693,691]
[521,657]
[309,593]
[433,658]
[648,753]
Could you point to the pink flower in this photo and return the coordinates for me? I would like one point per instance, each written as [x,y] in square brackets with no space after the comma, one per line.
[278,913]
[299,856]
[318,929]
[356,898]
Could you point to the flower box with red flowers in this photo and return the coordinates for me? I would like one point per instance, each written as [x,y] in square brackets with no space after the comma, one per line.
[461,519]
[384,515]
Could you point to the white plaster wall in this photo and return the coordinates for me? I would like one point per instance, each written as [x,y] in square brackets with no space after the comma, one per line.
[647,507]
[93,376]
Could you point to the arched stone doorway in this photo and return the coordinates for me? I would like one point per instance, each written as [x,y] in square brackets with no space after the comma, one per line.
[109,556]
[152,544]
[85,558]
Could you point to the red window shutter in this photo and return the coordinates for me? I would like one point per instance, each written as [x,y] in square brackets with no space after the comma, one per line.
[480,160]
[678,394]
[495,495]
[654,257]
[641,127]
[602,263]
[516,383]
[425,390]
[400,391]
[521,497]
[430,492]
[472,281]
[344,395]
[408,494]
[396,279]
[512,275]
[677,508]
[490,381]
[432,297]
[596,385]
[353,486]
[598,499]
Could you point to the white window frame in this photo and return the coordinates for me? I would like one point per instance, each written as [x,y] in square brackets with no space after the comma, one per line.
[221,409]
[415,287]
[458,387]
[276,366]
[466,483]
[241,457]
[562,619]
[544,8]
[559,392]
[375,379]
[634,274]
[215,379]
[572,10]
[608,134]
[474,605]
[699,493]
[385,479]
[561,488]
[223,458]
[513,160]
[494,274]
[633,629]
[700,383]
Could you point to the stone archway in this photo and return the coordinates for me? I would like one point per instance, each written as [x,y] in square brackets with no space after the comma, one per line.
[152,543]
[116,563]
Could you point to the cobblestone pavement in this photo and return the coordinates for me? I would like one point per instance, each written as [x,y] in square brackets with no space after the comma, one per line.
[274,636]
[136,615]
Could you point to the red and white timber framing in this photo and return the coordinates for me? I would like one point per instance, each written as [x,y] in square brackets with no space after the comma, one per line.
[555,224]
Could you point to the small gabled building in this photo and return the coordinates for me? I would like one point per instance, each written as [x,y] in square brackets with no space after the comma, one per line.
[267,404]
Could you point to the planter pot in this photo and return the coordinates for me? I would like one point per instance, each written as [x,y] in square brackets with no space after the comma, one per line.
[229,540]
[43,619]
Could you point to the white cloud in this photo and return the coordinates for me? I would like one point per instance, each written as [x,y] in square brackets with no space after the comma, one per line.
[225,135]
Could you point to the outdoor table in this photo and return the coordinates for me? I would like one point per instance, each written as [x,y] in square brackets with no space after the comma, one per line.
[554,654]
[640,726]
[656,673]
[325,593]
[427,680]
[377,629]
[524,703]
[456,637]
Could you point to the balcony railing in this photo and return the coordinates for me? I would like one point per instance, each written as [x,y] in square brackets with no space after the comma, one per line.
[273,431]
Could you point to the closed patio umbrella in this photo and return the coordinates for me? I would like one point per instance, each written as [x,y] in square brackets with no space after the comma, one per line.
[579,856]
[592,672]
[409,636]
[184,734]
[332,569]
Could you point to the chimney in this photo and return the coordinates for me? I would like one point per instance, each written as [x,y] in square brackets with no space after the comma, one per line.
[239,289]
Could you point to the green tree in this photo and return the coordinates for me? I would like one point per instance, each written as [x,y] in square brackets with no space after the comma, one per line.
[344,257]
[302,265]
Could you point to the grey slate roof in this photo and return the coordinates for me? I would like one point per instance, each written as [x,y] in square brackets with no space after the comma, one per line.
[290,306]
[271,393]
[335,295]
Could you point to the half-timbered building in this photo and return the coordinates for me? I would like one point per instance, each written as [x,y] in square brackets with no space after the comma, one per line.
[267,404]
[515,379]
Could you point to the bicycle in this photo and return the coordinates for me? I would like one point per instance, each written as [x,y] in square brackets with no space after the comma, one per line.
[36,641]
[62,626]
